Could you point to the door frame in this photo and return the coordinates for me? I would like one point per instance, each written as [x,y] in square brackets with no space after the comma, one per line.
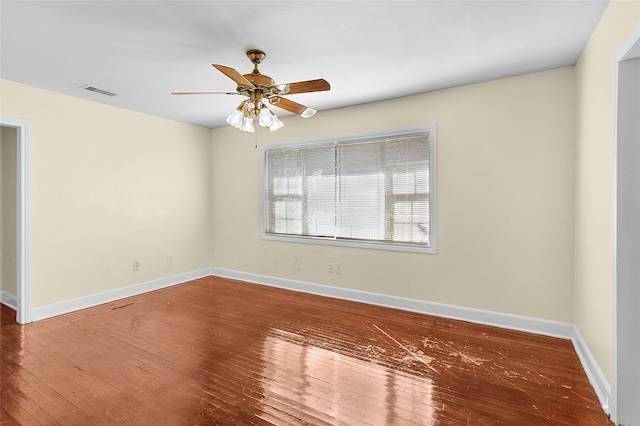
[23,215]
[623,247]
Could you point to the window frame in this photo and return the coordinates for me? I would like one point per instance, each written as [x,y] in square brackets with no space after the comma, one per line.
[430,129]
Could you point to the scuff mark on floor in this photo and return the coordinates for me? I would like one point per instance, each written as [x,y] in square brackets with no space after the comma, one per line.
[414,355]
[467,358]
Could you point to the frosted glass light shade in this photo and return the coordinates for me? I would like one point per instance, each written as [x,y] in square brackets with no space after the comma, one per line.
[276,124]
[266,117]
[247,124]
[235,118]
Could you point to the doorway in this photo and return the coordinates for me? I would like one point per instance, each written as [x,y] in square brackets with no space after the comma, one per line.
[21,128]
[625,407]
[8,224]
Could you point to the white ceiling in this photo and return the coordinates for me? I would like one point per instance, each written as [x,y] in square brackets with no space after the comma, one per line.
[367,50]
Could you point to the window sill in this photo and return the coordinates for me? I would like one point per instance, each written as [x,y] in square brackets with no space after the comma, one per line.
[352,243]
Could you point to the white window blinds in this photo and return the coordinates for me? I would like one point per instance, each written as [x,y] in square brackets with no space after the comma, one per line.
[375,190]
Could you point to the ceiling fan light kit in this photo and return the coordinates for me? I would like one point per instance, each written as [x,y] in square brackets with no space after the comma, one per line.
[261,91]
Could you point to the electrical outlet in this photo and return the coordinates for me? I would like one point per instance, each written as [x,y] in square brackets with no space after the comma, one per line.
[136,265]
[169,259]
[337,267]
[331,268]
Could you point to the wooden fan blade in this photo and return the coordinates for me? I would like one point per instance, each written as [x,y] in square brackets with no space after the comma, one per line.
[293,107]
[318,85]
[205,93]
[234,75]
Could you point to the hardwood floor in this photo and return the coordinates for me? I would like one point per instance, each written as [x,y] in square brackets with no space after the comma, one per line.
[217,351]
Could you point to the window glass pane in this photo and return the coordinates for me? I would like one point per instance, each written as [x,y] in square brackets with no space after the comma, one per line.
[373,178]
[287,216]
[301,191]
[319,191]
[361,192]
[360,206]
[411,221]
[285,190]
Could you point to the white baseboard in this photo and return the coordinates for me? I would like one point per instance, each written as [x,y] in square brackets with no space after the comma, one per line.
[67,306]
[496,319]
[8,299]
[512,322]
[594,373]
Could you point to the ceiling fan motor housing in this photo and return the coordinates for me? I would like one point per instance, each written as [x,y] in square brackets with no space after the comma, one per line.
[261,81]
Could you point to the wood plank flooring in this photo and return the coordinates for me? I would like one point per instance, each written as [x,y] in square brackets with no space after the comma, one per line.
[219,352]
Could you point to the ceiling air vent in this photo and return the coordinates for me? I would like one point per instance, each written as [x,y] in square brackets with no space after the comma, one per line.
[97,90]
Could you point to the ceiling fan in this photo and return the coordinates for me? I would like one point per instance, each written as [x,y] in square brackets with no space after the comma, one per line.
[262,90]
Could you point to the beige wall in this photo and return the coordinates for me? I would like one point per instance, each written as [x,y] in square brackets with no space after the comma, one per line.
[506,153]
[8,155]
[110,186]
[594,178]
[8,164]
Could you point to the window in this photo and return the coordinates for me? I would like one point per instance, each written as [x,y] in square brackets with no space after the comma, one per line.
[375,191]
